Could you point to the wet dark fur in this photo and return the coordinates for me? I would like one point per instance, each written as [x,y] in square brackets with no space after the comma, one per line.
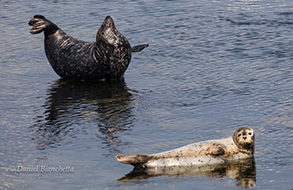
[107,58]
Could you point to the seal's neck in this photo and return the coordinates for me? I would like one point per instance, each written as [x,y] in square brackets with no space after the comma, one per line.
[248,148]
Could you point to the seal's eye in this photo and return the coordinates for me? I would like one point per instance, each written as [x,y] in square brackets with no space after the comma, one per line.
[249,133]
[239,135]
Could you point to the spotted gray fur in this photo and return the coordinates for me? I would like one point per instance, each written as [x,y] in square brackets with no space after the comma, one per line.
[219,151]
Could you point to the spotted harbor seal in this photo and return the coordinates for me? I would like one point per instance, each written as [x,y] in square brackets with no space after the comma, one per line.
[107,58]
[213,152]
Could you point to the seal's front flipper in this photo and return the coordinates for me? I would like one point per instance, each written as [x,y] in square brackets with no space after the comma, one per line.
[135,160]
[216,149]
[139,47]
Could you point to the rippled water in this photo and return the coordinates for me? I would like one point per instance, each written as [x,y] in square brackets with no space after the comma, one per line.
[211,67]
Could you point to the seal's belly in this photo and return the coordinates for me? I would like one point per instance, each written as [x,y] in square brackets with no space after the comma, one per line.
[196,161]
[72,58]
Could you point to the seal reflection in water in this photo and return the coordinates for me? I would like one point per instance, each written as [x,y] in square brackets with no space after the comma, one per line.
[106,58]
[74,108]
[242,171]
[214,152]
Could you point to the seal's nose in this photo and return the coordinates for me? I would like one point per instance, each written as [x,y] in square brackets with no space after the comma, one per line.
[244,137]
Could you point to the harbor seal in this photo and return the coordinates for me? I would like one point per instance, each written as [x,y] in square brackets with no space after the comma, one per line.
[106,58]
[213,152]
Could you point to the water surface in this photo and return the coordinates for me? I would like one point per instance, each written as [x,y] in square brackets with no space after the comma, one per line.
[211,67]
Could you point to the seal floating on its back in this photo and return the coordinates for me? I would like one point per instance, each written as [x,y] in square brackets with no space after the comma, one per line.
[107,58]
[237,147]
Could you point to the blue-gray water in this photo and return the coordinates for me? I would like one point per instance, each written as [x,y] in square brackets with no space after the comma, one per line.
[211,67]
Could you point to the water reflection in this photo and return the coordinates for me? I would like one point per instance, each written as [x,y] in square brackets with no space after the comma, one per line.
[75,109]
[243,172]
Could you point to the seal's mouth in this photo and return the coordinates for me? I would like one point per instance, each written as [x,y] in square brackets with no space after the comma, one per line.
[245,142]
[109,34]
[107,27]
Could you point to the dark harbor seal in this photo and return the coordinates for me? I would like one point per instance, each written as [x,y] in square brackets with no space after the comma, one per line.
[237,147]
[106,58]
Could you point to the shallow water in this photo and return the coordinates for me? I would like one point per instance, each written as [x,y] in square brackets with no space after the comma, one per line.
[211,67]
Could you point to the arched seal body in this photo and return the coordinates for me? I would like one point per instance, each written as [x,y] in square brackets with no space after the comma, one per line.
[237,147]
[107,58]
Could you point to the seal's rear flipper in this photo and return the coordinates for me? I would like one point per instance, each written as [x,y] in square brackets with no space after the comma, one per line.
[39,24]
[135,160]
[139,47]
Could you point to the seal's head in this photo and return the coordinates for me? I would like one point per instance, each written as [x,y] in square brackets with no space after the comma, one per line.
[39,24]
[244,139]
[109,34]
